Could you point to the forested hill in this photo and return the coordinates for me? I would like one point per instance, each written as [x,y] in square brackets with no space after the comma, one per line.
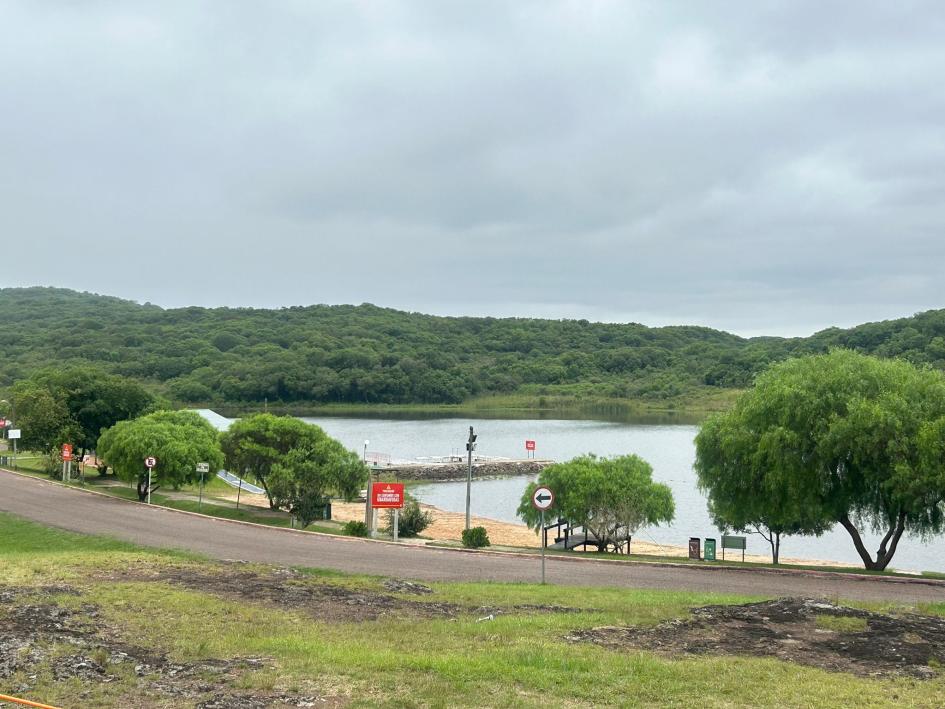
[367,354]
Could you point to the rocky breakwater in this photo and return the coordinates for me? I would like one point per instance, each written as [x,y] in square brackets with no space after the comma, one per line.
[457,471]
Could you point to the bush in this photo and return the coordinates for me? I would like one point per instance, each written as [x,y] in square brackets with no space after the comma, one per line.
[413,520]
[475,538]
[355,528]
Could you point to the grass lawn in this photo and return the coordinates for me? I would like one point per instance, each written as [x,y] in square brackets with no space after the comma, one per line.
[345,649]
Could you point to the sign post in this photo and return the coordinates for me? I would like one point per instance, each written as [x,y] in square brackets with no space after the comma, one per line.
[530,448]
[203,469]
[149,463]
[14,435]
[388,496]
[542,499]
[66,461]
[470,447]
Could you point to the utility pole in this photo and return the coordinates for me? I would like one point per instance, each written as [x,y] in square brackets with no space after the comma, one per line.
[368,510]
[470,447]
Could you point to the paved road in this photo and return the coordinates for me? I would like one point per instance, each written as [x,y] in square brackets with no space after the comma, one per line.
[79,511]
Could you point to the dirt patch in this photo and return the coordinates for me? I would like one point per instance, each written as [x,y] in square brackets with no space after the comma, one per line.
[788,629]
[41,640]
[401,586]
[291,590]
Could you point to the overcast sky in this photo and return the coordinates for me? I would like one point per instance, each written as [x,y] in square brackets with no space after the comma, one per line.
[760,167]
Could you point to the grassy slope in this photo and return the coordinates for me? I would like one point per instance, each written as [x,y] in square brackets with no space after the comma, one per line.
[518,660]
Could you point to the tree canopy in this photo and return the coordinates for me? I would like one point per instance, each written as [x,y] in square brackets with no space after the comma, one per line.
[837,438]
[742,495]
[178,439]
[301,479]
[610,497]
[256,445]
[75,404]
[368,354]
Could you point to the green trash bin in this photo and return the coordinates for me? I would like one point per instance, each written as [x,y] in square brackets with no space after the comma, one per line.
[709,549]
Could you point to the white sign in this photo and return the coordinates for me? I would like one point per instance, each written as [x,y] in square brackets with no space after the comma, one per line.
[150,462]
[542,498]
[203,467]
[13,433]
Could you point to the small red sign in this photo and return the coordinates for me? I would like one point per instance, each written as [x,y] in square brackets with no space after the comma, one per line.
[67,451]
[3,423]
[529,445]
[387,495]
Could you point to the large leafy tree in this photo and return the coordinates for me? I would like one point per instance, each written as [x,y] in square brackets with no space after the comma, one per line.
[843,437]
[43,419]
[742,496]
[608,496]
[304,477]
[255,444]
[178,439]
[75,404]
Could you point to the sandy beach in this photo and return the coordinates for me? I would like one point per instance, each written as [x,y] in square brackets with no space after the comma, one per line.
[448,526]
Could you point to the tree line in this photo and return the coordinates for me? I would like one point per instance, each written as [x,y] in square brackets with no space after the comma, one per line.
[297,464]
[367,354]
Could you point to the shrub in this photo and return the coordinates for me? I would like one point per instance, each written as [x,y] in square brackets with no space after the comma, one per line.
[413,520]
[355,528]
[475,538]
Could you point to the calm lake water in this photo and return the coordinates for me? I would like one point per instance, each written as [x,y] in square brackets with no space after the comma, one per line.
[668,448]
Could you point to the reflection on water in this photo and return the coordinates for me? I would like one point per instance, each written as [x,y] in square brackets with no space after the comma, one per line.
[668,448]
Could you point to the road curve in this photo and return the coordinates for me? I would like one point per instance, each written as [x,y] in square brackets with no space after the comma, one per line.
[68,508]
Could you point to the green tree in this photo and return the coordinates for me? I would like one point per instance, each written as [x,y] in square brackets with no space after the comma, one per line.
[42,418]
[178,439]
[81,401]
[742,496]
[843,437]
[303,479]
[255,444]
[610,497]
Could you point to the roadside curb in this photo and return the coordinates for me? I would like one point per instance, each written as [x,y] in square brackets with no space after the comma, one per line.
[808,573]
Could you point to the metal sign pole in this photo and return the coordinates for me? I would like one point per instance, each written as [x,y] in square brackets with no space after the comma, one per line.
[543,549]
[149,486]
[396,523]
[469,448]
[200,495]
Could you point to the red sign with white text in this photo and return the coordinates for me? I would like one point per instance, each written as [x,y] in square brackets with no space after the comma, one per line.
[67,451]
[387,495]
[529,445]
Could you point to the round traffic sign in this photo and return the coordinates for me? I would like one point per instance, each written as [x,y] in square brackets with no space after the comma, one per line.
[150,461]
[542,498]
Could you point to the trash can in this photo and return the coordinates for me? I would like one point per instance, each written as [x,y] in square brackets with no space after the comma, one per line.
[694,548]
[709,549]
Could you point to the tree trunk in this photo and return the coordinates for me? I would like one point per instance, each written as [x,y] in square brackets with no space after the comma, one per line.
[775,547]
[262,481]
[887,547]
[142,490]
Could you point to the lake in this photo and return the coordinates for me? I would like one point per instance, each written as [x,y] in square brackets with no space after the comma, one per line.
[668,448]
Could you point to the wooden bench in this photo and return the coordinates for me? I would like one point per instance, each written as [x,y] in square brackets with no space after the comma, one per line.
[733,543]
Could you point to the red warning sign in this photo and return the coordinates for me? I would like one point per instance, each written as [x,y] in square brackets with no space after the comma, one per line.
[387,495]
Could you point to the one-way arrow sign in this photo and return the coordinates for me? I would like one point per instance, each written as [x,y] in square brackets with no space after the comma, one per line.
[542,498]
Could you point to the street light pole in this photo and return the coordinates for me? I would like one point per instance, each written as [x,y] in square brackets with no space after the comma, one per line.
[368,510]
[470,446]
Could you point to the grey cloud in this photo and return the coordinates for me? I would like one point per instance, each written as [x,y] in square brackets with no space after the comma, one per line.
[768,168]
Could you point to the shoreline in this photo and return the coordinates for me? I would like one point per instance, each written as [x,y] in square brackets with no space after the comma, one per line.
[448,527]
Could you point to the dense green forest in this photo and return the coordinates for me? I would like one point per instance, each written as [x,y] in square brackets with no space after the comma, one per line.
[366,354]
